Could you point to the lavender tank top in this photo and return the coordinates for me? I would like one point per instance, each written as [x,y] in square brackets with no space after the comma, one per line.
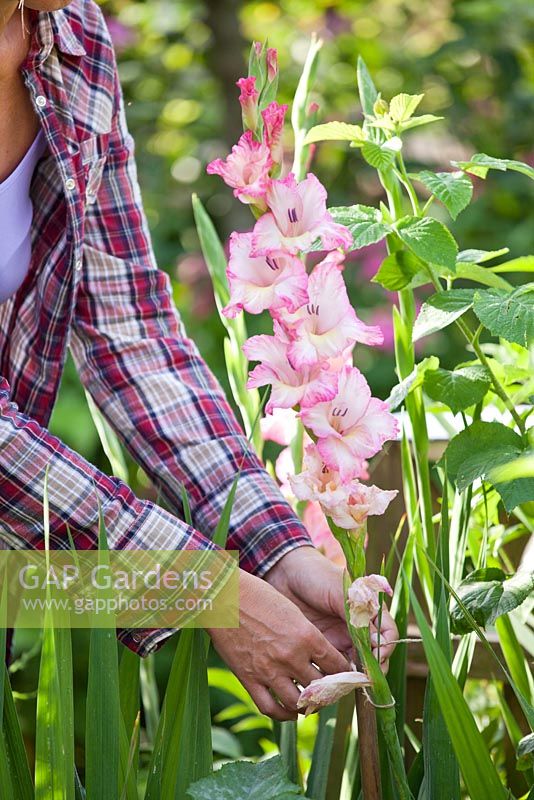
[16,215]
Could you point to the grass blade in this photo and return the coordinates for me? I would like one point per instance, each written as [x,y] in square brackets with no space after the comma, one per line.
[322,751]
[54,730]
[442,777]
[54,774]
[196,759]
[102,724]
[13,752]
[479,772]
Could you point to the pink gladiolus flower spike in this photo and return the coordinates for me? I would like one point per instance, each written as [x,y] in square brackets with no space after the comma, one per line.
[325,691]
[363,600]
[298,218]
[276,281]
[327,325]
[246,170]
[290,387]
[351,427]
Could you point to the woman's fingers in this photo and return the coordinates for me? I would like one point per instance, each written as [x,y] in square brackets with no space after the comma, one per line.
[308,673]
[329,660]
[288,694]
[268,705]
[388,636]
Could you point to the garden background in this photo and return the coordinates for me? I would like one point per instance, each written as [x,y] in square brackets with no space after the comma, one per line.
[179,61]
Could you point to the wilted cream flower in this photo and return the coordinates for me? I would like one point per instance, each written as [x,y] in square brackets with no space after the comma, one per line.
[363,598]
[325,691]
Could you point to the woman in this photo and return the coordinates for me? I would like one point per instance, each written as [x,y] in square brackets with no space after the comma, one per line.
[77,270]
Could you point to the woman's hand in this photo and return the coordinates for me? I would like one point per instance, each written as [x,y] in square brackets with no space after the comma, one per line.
[315,585]
[274,648]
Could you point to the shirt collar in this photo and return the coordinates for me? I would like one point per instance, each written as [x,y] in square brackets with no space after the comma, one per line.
[54,28]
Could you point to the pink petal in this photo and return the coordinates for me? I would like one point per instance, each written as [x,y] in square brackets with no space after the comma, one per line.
[339,456]
[325,691]
[267,238]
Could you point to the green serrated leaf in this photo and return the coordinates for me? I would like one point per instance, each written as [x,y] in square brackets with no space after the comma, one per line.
[459,389]
[480,163]
[335,132]
[480,256]
[487,594]
[381,156]
[453,189]
[397,270]
[403,106]
[244,780]
[366,88]
[477,450]
[509,314]
[441,310]
[478,274]
[364,222]
[521,264]
[525,752]
[429,239]
[416,122]
[415,379]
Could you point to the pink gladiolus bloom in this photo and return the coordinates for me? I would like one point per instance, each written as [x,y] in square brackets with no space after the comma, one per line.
[280,426]
[363,600]
[317,482]
[298,218]
[327,325]
[272,64]
[347,504]
[246,170]
[290,387]
[363,501]
[321,535]
[276,281]
[273,122]
[351,427]
[325,691]
[249,98]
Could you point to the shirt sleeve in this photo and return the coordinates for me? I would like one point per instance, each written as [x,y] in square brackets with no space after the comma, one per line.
[150,382]
[77,494]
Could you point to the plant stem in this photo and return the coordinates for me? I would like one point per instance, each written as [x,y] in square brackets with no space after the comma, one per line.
[405,358]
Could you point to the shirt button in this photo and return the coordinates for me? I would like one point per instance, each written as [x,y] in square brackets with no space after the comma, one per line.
[78,265]
[70,184]
[137,638]
[41,101]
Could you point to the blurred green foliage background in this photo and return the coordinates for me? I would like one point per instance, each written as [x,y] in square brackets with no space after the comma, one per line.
[179,60]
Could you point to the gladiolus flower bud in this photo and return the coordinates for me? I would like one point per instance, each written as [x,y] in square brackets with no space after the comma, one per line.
[249,98]
[272,64]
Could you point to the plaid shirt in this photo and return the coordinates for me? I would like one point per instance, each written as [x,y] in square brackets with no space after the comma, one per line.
[94,286]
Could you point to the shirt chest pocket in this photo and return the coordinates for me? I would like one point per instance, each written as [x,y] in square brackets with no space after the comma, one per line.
[93,152]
